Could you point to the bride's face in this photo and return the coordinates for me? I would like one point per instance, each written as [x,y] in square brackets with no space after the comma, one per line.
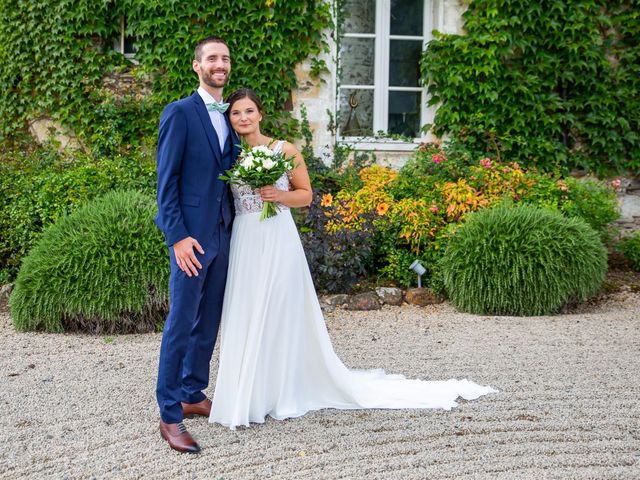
[245,116]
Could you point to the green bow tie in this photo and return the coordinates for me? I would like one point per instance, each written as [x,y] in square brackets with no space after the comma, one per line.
[217,107]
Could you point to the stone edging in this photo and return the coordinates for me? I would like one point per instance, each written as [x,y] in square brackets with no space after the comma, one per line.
[373,300]
[5,291]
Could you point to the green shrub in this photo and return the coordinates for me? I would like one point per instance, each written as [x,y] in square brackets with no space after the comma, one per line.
[40,186]
[591,200]
[102,268]
[396,267]
[630,247]
[522,261]
[441,184]
[393,257]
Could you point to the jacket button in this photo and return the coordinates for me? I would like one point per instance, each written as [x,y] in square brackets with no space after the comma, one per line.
[219,199]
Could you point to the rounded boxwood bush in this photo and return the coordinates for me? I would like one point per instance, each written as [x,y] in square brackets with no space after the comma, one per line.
[522,261]
[630,247]
[102,268]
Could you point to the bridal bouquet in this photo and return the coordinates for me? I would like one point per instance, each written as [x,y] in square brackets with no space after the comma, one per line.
[258,167]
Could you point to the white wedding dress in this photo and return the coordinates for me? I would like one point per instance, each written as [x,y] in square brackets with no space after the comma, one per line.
[276,356]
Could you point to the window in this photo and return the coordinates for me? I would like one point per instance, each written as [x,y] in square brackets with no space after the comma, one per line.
[125,44]
[379,68]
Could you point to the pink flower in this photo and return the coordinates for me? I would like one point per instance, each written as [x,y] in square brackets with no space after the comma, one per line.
[486,162]
[437,158]
[434,209]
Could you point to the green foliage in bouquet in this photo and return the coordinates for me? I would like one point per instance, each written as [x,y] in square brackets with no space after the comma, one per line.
[522,260]
[101,269]
[630,247]
[258,167]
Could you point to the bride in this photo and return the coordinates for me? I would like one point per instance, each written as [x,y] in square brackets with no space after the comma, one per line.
[276,356]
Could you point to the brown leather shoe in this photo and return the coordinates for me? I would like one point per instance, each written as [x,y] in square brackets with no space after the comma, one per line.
[201,408]
[178,438]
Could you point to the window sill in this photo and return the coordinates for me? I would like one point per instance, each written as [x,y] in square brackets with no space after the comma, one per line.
[131,57]
[380,144]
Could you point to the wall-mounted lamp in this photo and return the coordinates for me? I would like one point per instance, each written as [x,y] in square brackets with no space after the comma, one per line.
[417,267]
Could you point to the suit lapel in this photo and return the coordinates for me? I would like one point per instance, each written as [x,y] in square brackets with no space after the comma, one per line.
[211,134]
[235,141]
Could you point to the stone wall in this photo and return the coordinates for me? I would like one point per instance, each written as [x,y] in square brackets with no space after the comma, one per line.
[318,97]
[629,201]
[119,83]
[45,130]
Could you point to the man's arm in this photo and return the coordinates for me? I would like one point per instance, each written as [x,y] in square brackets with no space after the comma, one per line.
[171,144]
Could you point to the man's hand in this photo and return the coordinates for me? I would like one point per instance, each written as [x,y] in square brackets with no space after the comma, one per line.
[185,258]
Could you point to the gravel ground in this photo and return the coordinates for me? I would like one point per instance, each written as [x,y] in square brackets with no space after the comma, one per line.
[77,406]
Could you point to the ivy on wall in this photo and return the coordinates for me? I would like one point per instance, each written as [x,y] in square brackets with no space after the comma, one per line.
[54,56]
[552,83]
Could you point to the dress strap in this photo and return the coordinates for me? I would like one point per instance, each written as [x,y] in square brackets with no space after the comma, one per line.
[278,147]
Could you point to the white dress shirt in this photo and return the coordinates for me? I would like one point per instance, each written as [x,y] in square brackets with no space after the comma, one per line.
[217,119]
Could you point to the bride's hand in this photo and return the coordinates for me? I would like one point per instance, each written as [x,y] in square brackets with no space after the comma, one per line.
[270,194]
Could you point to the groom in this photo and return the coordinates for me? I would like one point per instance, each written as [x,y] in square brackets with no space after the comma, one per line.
[195,146]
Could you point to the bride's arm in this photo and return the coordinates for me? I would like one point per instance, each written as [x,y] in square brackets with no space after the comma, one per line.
[301,194]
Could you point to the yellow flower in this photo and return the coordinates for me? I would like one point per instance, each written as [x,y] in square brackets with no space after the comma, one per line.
[327,200]
[382,208]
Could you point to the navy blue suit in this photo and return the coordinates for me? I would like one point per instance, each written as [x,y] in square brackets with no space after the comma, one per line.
[192,201]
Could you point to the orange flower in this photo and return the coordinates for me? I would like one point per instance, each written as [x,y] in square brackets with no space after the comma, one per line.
[382,208]
[327,200]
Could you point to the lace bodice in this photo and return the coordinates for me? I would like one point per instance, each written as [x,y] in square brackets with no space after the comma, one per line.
[246,201]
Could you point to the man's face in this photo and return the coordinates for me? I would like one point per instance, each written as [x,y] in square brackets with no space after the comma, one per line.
[214,65]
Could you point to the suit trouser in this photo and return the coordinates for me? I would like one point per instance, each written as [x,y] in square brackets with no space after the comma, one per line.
[191,328]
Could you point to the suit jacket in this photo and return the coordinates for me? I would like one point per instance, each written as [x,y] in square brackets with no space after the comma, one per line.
[192,200]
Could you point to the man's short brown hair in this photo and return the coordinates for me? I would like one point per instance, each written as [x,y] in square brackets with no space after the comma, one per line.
[197,54]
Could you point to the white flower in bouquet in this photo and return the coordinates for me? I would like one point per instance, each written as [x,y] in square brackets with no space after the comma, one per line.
[247,162]
[268,163]
[263,151]
[258,167]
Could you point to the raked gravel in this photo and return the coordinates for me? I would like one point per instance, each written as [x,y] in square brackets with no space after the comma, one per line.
[77,406]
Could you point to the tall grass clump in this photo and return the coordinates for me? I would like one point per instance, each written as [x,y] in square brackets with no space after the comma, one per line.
[630,247]
[522,260]
[102,268]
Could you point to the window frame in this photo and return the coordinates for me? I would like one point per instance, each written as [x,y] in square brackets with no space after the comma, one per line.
[119,42]
[382,38]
